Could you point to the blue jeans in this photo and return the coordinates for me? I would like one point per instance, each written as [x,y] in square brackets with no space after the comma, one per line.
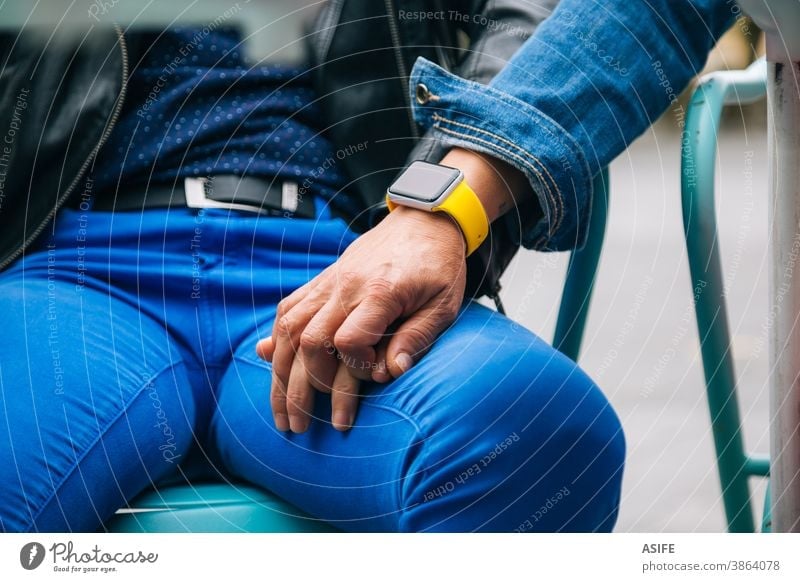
[130,343]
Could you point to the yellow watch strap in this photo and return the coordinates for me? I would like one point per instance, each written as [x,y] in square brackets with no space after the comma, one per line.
[464,206]
[466,209]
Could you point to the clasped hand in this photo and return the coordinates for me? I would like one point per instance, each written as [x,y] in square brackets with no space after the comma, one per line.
[369,316]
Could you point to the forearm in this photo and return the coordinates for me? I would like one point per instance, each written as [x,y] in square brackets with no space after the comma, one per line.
[496,33]
[591,79]
[606,71]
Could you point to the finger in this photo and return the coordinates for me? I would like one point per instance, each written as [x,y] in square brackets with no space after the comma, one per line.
[380,372]
[277,400]
[265,348]
[286,339]
[415,336]
[286,304]
[363,329]
[299,398]
[289,322]
[310,291]
[317,350]
[344,399]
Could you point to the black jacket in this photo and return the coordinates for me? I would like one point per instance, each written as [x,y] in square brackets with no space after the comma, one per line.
[60,99]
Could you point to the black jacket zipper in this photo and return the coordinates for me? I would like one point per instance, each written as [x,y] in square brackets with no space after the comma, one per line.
[394,31]
[76,180]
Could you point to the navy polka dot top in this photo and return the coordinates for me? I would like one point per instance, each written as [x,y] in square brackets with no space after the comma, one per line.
[195,108]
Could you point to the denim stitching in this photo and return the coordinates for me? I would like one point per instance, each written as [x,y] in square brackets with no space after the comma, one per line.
[500,138]
[94,442]
[457,84]
[558,203]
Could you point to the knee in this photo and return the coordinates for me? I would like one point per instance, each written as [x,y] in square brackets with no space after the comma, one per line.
[571,451]
[534,447]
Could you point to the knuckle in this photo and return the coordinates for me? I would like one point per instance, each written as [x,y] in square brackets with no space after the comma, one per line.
[285,325]
[381,287]
[444,312]
[277,395]
[421,336]
[451,312]
[347,279]
[282,310]
[297,400]
[346,341]
[310,341]
[278,383]
[345,388]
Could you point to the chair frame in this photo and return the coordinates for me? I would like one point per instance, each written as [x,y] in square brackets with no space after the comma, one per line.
[714,92]
[581,274]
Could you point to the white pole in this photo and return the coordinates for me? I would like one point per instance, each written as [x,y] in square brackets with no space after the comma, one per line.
[784,129]
[780,19]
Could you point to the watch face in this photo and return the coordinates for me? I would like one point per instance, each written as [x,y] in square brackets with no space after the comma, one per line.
[424,182]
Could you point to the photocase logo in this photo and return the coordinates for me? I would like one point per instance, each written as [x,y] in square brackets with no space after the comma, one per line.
[31,555]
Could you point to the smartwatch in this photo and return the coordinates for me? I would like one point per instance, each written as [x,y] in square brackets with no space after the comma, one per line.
[436,188]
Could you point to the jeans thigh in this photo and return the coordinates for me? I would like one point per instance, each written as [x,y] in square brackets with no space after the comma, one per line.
[488,428]
[95,402]
[351,480]
[514,436]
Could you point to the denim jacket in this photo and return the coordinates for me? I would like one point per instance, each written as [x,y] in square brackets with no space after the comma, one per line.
[576,94]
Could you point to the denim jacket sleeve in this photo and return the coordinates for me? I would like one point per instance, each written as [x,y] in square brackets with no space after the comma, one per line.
[593,77]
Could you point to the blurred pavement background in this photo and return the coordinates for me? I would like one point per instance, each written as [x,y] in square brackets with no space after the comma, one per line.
[641,342]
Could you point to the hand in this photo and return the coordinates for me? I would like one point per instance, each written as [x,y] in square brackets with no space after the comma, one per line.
[408,273]
[407,276]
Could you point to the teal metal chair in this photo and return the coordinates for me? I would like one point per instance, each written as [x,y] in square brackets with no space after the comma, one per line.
[205,503]
[698,157]
[212,507]
[581,274]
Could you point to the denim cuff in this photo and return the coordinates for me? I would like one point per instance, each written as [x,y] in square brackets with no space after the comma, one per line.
[479,117]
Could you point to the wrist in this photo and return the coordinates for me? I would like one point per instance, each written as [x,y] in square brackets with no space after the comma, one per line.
[436,224]
[439,189]
[493,181]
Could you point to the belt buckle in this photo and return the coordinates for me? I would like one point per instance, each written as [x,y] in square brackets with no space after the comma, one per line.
[195,190]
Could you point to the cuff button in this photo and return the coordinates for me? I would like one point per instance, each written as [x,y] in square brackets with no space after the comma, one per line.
[423,94]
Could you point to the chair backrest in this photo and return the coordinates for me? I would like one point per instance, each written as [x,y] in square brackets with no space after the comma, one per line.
[698,157]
